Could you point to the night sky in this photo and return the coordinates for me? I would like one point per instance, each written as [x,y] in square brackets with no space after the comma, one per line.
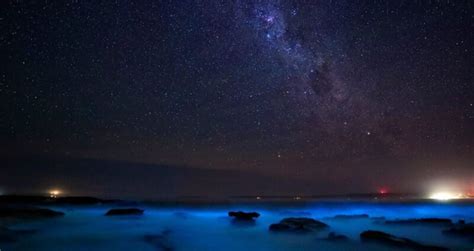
[312,96]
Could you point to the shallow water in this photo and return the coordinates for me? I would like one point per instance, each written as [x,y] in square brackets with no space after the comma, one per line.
[207,227]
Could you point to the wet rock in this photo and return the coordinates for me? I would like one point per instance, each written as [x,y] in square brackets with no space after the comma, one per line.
[438,221]
[28,213]
[159,241]
[351,216]
[8,235]
[124,211]
[336,237]
[245,216]
[297,225]
[391,240]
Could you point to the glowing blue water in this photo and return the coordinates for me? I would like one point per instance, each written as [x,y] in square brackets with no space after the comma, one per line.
[208,227]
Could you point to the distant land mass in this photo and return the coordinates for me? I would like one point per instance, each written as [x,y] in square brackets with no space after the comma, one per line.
[122,179]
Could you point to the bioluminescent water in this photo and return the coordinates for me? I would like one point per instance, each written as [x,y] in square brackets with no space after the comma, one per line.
[207,227]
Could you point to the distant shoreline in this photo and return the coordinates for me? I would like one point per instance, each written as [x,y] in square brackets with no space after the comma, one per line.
[87,200]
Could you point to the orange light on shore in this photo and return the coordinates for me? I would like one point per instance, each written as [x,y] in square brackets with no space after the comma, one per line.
[54,193]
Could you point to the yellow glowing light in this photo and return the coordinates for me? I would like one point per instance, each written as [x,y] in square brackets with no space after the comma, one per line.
[54,193]
[446,196]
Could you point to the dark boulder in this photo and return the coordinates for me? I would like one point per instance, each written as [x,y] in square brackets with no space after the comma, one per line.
[438,221]
[124,211]
[391,240]
[297,225]
[246,216]
[28,213]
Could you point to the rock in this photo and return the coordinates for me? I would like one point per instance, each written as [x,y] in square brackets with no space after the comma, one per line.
[246,216]
[8,235]
[28,213]
[336,237]
[351,216]
[159,241]
[440,221]
[124,211]
[391,240]
[297,225]
[461,229]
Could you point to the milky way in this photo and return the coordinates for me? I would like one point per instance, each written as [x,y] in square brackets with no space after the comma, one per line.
[307,89]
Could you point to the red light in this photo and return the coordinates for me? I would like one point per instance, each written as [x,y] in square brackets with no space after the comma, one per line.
[383,191]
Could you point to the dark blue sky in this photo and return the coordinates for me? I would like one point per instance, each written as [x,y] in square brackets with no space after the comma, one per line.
[310,90]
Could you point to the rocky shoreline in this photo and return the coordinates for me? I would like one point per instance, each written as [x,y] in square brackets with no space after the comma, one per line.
[286,226]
